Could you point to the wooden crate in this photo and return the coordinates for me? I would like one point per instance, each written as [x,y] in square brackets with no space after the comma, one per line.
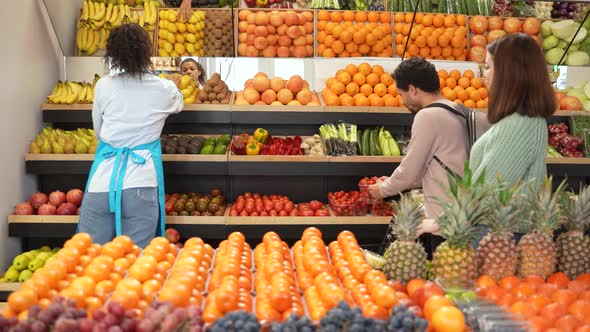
[223,11]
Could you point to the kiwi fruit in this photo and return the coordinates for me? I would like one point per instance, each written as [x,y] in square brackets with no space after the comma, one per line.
[220,96]
[212,96]
[202,96]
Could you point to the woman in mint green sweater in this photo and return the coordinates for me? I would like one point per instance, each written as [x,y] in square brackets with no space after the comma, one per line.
[520,100]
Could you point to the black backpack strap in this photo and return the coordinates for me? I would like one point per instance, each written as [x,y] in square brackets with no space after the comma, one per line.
[448,108]
[446,168]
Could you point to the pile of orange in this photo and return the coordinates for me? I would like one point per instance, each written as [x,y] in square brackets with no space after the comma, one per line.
[463,88]
[362,85]
[433,36]
[277,296]
[555,304]
[369,287]
[230,282]
[354,34]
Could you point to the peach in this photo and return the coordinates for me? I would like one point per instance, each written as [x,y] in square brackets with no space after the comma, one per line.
[308,16]
[251,95]
[285,41]
[268,96]
[260,74]
[260,102]
[251,29]
[251,18]
[261,18]
[309,39]
[272,40]
[277,84]
[261,31]
[293,32]
[276,20]
[304,97]
[295,83]
[241,101]
[243,15]
[248,83]
[285,96]
[242,49]
[242,26]
[302,19]
[269,52]
[243,38]
[283,52]
[300,51]
[276,102]
[251,51]
[309,50]
[299,41]
[291,19]
[260,43]
[250,40]
[271,30]
[282,30]
[308,27]
[260,83]
[293,103]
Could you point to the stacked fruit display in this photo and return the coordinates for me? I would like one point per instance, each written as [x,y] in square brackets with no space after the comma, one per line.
[362,85]
[433,36]
[351,203]
[556,37]
[230,282]
[187,144]
[463,88]
[557,303]
[354,34]
[56,203]
[177,37]
[218,41]
[276,91]
[485,30]
[193,204]
[256,205]
[69,92]
[215,91]
[57,141]
[274,33]
[24,265]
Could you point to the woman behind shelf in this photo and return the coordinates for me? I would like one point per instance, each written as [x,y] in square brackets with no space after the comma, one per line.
[520,100]
[125,189]
[190,66]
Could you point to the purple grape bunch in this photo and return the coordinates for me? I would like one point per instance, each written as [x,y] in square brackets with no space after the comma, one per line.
[564,9]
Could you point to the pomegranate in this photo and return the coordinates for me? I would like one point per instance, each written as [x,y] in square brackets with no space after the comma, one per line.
[67,209]
[75,196]
[47,210]
[57,198]
[38,199]
[24,208]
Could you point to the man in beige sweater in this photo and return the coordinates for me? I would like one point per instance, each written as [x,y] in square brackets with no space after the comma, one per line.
[436,133]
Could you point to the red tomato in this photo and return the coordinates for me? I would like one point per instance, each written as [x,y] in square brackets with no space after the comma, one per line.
[240,198]
[278,205]
[256,196]
[240,206]
[268,206]
[283,213]
[289,206]
[265,197]
[322,212]
[294,213]
[254,214]
[315,205]
[308,213]
[249,207]
[247,194]
[264,214]
[243,214]
[259,207]
[233,213]
[273,213]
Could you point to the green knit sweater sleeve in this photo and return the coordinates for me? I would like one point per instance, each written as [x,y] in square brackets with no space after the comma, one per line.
[513,148]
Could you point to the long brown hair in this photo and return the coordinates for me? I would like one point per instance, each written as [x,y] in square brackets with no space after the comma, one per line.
[521,82]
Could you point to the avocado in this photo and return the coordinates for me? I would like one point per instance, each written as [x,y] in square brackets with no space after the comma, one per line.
[224,139]
[220,149]
[207,149]
[210,141]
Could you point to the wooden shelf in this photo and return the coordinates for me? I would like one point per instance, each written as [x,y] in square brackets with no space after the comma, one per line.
[165,157]
[365,159]
[284,159]
[287,220]
[33,219]
[568,161]
[65,107]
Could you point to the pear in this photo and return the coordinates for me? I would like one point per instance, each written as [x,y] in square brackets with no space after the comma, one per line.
[43,256]
[46,131]
[25,275]
[85,142]
[11,274]
[45,147]
[45,249]
[36,264]
[69,146]
[92,149]
[35,149]
[21,262]
[81,148]
[34,253]
[56,148]
[39,140]
[61,140]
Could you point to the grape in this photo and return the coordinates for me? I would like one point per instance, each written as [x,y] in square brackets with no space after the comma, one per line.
[100,327]
[180,314]
[116,309]
[111,320]
[115,329]
[128,325]
[170,323]
[193,311]
[99,315]
[38,326]
[86,325]
[34,311]
[65,325]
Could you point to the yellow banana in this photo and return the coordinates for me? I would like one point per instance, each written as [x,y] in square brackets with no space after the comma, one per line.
[134,18]
[114,16]
[91,10]
[102,11]
[127,11]
[141,22]
[54,93]
[119,21]
[84,16]
[146,13]
[90,94]
[74,93]
[80,38]
[109,12]
[154,13]
[89,41]
[82,95]
[94,46]
[99,24]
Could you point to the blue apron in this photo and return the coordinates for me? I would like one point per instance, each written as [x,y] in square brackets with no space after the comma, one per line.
[105,151]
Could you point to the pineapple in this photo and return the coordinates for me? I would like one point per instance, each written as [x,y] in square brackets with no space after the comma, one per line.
[573,248]
[454,262]
[405,259]
[537,251]
[497,253]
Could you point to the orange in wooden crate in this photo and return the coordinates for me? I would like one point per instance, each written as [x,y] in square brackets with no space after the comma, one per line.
[433,36]
[364,85]
[463,88]
[354,34]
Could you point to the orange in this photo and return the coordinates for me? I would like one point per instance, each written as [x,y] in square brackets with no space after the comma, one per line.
[476,83]
[449,93]
[366,89]
[413,285]
[373,17]
[343,76]
[360,16]
[365,68]
[450,82]
[386,79]
[330,82]
[564,296]
[390,100]
[434,303]
[483,92]
[323,15]
[475,96]
[359,79]
[438,20]
[335,16]
[464,82]
[455,74]
[469,103]
[469,74]
[449,21]
[352,88]
[392,89]
[522,310]
[443,74]
[376,101]
[373,79]
[338,88]
[113,250]
[21,300]
[427,20]
[469,90]
[461,20]
[481,104]
[559,279]
[380,89]
[348,15]
[448,319]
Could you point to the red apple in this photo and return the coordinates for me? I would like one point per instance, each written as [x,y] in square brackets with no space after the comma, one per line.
[172,235]
[47,210]
[570,103]
[38,199]
[57,198]
[24,208]
[75,196]
[67,209]
[315,205]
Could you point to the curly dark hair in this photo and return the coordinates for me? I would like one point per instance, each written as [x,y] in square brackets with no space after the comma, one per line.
[129,50]
[417,72]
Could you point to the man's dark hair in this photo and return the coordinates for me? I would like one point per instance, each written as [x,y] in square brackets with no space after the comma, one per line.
[129,50]
[417,72]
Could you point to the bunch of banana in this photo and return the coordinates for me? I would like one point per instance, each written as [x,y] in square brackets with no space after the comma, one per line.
[150,13]
[72,92]
[94,15]
[119,14]
[88,40]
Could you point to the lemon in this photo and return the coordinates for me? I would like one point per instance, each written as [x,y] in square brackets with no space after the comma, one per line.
[191,28]
[163,15]
[191,38]
[171,38]
[172,28]
[190,48]
[163,24]
[161,43]
[168,47]
[180,38]
[172,16]
[181,27]
[162,34]
[179,48]
[173,53]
